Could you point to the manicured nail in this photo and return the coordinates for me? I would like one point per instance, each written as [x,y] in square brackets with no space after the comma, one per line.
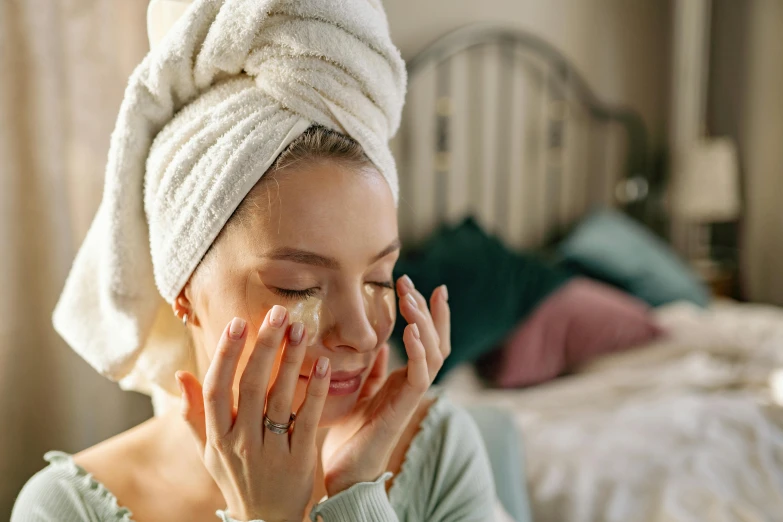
[411,300]
[178,377]
[296,333]
[321,366]
[407,284]
[444,292]
[237,328]
[277,316]
[415,330]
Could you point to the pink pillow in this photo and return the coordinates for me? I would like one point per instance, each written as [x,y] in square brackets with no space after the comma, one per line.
[582,320]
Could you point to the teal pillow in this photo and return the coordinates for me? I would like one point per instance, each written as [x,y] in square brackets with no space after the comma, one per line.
[613,248]
[491,288]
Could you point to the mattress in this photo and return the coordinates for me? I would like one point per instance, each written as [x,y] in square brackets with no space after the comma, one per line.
[689,428]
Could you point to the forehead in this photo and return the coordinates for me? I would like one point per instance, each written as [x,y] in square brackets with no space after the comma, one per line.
[324,207]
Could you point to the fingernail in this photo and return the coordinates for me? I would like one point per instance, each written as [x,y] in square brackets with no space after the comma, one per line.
[411,300]
[295,335]
[407,283]
[415,330]
[444,292]
[237,328]
[321,366]
[277,316]
[178,377]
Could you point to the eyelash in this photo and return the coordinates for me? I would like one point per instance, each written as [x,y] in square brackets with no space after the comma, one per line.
[305,294]
[295,294]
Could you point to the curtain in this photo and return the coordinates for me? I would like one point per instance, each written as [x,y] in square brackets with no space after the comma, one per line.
[746,82]
[63,69]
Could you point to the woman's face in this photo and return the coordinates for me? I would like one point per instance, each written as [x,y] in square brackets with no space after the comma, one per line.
[321,240]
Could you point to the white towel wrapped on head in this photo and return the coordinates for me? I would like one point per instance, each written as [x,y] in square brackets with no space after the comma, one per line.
[206,113]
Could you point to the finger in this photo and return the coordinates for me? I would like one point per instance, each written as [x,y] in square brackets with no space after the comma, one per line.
[309,414]
[378,373]
[193,407]
[398,410]
[409,308]
[417,371]
[405,286]
[441,317]
[281,395]
[254,384]
[219,380]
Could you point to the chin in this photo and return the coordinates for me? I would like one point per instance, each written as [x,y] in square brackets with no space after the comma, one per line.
[337,409]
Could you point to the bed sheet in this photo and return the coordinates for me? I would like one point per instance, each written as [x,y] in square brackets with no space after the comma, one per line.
[687,429]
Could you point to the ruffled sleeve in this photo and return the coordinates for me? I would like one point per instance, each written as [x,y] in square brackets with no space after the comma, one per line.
[65,492]
[365,501]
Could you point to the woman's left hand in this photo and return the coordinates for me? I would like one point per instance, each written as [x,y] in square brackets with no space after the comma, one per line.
[359,449]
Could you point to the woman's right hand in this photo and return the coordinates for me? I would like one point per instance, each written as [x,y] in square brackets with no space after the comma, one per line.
[262,474]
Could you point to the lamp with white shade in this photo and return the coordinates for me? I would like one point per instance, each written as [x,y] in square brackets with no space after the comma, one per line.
[705,190]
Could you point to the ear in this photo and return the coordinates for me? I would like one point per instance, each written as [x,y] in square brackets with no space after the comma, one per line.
[183,305]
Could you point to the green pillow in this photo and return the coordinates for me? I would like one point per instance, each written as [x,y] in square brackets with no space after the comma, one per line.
[491,288]
[613,248]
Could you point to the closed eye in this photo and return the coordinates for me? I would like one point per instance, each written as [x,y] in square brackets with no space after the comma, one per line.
[295,294]
[383,284]
[309,292]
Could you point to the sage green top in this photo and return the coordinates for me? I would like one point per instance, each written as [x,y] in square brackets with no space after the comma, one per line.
[445,477]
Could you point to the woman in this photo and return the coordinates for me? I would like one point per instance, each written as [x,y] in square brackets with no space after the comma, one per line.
[250,190]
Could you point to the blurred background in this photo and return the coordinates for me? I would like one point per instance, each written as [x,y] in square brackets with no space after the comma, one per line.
[530,117]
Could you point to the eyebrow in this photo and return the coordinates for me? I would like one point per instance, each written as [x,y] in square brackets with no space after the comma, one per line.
[311,258]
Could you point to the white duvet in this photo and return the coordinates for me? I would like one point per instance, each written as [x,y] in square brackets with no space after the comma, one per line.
[688,429]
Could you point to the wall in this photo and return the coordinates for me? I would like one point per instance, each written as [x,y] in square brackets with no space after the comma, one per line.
[621,47]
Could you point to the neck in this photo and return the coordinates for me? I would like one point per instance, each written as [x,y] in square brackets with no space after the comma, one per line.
[178,460]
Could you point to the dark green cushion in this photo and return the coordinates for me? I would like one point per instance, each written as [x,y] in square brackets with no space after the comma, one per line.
[613,248]
[490,287]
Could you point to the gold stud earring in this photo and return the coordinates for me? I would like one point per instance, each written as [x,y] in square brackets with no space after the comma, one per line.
[185,320]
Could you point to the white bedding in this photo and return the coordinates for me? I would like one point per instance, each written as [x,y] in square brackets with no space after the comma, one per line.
[688,429]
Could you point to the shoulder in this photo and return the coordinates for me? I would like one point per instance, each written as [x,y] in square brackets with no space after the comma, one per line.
[65,492]
[131,448]
[82,487]
[446,467]
[450,432]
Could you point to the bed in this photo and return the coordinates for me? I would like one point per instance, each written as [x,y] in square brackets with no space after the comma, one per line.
[501,127]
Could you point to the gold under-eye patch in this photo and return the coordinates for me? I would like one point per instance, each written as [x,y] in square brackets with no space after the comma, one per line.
[380,306]
[310,313]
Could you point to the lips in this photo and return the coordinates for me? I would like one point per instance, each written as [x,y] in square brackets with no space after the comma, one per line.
[344,382]
[346,375]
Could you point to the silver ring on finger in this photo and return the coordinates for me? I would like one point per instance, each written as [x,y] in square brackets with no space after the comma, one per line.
[276,427]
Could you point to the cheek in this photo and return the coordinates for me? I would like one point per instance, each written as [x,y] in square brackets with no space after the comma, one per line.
[257,301]
[215,310]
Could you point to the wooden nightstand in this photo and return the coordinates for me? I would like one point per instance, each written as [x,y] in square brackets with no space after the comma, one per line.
[720,278]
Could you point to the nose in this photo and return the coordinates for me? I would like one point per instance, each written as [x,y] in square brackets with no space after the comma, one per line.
[351,327]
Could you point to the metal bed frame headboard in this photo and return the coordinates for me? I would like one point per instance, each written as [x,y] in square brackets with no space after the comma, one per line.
[499,125]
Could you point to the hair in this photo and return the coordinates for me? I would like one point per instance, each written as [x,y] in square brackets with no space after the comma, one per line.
[317,143]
